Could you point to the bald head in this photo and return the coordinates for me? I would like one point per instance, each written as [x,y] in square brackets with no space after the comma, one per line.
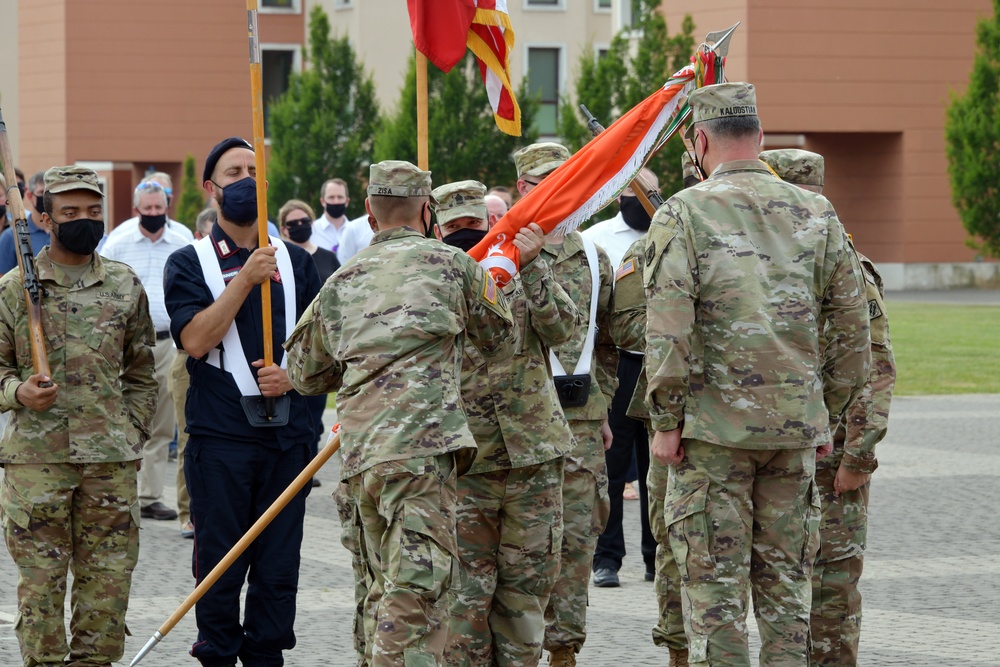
[648,176]
[495,208]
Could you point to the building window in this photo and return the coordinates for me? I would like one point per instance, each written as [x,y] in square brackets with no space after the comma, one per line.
[343,4]
[544,82]
[281,6]
[544,4]
[276,65]
[631,11]
[602,6]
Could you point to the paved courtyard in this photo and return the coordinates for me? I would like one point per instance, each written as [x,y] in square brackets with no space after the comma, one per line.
[931,583]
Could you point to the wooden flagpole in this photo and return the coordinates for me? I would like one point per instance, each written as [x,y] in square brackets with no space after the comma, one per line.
[422,133]
[256,87]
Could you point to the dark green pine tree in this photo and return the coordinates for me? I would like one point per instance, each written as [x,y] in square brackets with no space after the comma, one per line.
[972,141]
[464,141]
[192,199]
[325,123]
[614,83]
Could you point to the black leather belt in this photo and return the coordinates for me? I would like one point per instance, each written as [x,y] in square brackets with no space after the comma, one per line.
[162,335]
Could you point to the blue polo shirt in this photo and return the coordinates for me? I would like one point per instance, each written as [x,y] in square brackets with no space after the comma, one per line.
[213,402]
[8,255]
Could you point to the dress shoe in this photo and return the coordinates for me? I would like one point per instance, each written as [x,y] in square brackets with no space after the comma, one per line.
[158,511]
[187,530]
[650,574]
[605,577]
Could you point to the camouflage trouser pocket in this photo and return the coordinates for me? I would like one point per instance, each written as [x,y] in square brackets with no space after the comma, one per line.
[15,511]
[812,519]
[421,564]
[688,526]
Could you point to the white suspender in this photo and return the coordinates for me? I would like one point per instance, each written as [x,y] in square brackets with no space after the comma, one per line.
[234,359]
[583,365]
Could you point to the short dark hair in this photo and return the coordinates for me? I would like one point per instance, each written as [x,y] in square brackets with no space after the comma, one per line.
[338,181]
[396,210]
[732,127]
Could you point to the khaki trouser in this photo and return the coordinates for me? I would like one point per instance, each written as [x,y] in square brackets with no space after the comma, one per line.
[178,383]
[161,431]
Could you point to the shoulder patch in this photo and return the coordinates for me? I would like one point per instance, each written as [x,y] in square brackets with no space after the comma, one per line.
[490,289]
[874,310]
[625,269]
[650,252]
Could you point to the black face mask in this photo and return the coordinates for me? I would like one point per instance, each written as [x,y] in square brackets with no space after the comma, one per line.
[20,188]
[634,214]
[80,237]
[335,210]
[300,234]
[465,239]
[3,211]
[40,205]
[153,223]
[239,202]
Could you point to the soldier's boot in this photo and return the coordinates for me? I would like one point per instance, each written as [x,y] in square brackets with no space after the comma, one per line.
[678,658]
[564,656]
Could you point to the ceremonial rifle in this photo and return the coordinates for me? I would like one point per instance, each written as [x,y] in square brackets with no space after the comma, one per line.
[649,196]
[25,260]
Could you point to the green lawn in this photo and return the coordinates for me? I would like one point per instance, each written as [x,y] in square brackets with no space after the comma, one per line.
[945,349]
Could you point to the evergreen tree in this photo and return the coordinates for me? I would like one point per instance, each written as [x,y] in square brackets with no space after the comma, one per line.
[626,75]
[464,141]
[192,199]
[972,140]
[323,126]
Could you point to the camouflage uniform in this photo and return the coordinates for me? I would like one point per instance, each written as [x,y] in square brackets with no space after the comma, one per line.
[628,328]
[513,490]
[836,603]
[387,332]
[68,497]
[742,273]
[585,484]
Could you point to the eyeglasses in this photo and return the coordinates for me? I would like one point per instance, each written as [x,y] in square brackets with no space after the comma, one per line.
[298,222]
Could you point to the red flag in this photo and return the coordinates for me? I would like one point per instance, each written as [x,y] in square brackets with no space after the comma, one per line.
[440,28]
[443,28]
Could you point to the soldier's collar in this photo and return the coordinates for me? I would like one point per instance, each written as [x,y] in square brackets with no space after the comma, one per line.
[394,233]
[47,270]
[740,165]
[224,246]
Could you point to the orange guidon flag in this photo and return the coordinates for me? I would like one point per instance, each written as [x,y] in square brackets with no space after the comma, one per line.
[442,29]
[589,180]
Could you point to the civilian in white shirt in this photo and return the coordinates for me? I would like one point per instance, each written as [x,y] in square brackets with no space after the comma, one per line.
[145,248]
[616,235]
[126,226]
[630,439]
[328,228]
[354,237]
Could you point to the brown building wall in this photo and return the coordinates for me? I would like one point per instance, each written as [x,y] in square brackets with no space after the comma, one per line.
[866,82]
[137,84]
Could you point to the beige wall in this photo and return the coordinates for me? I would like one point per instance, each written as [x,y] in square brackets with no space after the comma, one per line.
[10,74]
[380,32]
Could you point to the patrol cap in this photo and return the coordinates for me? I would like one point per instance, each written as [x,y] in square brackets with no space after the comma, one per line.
[218,150]
[72,177]
[795,166]
[540,159]
[464,199]
[398,178]
[723,100]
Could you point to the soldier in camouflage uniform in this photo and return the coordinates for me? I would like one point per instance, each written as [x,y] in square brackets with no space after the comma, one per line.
[628,329]
[585,484]
[387,332]
[843,478]
[510,502]
[743,272]
[71,451]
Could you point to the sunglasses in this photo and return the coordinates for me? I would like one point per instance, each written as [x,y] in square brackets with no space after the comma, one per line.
[298,222]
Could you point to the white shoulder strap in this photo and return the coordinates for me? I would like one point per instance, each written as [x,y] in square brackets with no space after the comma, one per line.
[583,365]
[234,360]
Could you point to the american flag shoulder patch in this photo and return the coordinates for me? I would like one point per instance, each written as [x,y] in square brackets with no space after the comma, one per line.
[625,269]
[490,290]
